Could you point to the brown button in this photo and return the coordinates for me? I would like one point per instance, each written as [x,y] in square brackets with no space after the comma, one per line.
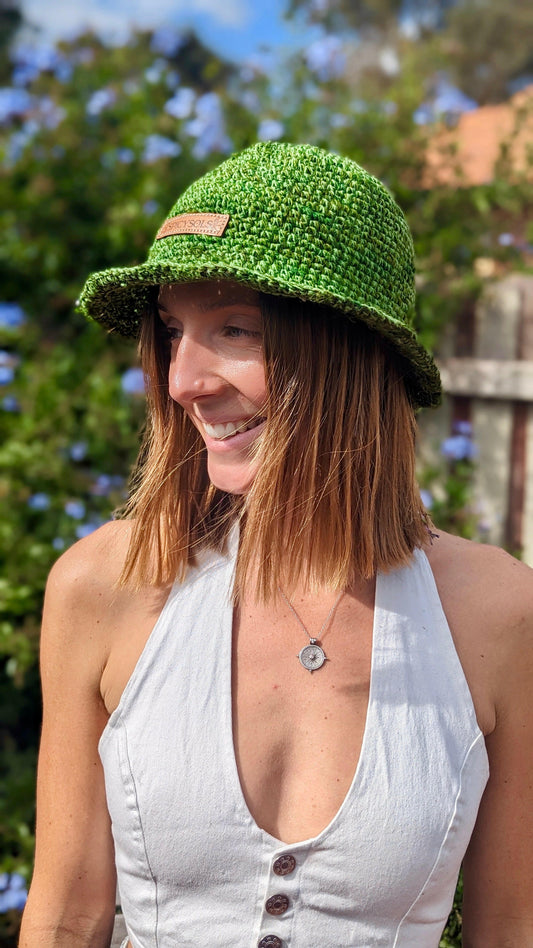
[270,941]
[277,904]
[285,864]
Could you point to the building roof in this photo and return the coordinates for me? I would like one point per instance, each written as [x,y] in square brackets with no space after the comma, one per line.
[468,153]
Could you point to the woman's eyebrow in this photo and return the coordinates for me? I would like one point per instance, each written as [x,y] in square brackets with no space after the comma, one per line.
[216,304]
[228,301]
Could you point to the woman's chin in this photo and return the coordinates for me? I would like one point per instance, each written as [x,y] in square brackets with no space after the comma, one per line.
[231,478]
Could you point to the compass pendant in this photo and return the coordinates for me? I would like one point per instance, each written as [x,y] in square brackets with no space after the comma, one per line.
[312,656]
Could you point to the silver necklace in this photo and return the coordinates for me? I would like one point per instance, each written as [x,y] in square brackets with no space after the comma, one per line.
[313,656]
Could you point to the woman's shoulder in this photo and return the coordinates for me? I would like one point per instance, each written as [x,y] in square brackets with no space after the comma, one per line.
[487,597]
[90,569]
[489,573]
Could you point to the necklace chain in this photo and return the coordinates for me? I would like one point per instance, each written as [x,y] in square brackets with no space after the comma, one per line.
[312,656]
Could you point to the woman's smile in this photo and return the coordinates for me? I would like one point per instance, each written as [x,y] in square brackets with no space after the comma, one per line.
[224,430]
[216,372]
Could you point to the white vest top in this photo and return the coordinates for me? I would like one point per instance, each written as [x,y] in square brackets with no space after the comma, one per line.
[195,870]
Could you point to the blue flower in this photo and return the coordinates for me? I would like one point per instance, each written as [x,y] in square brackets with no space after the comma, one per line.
[50,114]
[338,120]
[39,501]
[63,71]
[463,428]
[258,64]
[459,447]
[506,240]
[84,56]
[426,498]
[167,41]
[12,316]
[84,529]
[13,892]
[208,127]
[102,485]
[157,146]
[8,362]
[132,382]
[150,207]
[58,543]
[250,100]
[14,103]
[326,58]
[270,130]
[449,98]
[423,115]
[78,450]
[446,101]
[19,140]
[181,104]
[125,156]
[172,79]
[105,483]
[131,86]
[100,100]
[10,403]
[155,72]
[31,61]
[75,509]
[254,66]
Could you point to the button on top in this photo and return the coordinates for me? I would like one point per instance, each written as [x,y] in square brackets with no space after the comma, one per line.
[277,904]
[285,864]
[270,941]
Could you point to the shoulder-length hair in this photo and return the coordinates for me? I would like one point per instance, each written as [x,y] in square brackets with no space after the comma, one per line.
[335,495]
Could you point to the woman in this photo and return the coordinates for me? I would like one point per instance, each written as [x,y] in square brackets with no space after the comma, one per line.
[272,695]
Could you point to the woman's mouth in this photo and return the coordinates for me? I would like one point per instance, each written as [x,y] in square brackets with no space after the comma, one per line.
[223,431]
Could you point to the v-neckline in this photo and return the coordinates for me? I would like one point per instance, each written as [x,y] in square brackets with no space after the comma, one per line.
[227,719]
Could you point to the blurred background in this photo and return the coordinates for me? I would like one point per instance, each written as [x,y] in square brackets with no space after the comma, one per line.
[105,116]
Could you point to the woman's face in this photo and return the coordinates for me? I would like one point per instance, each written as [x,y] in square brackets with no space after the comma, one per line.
[217,373]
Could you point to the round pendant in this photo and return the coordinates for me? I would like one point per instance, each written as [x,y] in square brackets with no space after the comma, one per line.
[312,656]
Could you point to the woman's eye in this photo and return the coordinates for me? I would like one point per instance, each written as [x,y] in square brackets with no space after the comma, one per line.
[172,333]
[236,332]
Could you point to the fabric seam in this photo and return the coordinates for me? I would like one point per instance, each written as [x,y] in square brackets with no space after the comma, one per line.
[444,840]
[143,836]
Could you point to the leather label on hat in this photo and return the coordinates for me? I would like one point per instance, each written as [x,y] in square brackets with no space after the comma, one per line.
[213,225]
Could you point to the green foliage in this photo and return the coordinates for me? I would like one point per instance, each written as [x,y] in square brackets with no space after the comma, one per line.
[451,487]
[451,937]
[482,44]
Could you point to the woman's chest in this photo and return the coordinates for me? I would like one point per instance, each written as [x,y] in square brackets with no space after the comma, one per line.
[297,733]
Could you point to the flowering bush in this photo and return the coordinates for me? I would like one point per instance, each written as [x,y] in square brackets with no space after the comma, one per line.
[447,490]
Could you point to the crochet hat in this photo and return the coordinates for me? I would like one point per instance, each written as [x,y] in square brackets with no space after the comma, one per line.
[289,220]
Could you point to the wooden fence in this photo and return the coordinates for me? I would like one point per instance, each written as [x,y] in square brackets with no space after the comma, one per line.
[486,363]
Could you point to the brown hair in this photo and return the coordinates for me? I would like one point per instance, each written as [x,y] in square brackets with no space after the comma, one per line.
[335,495]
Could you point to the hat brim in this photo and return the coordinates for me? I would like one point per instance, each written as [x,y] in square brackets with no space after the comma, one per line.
[119,298]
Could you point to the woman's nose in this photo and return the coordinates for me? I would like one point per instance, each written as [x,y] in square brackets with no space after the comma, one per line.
[193,371]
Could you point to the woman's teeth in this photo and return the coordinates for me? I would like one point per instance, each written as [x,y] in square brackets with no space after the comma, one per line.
[220,432]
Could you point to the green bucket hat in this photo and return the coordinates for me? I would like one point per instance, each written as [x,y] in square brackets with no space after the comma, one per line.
[289,220]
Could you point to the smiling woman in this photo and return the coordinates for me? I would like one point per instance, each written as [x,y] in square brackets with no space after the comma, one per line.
[216,372]
[279,707]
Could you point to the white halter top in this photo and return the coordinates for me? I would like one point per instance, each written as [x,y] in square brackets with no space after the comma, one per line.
[195,870]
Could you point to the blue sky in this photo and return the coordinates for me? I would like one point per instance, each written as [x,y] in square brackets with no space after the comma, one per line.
[234,28]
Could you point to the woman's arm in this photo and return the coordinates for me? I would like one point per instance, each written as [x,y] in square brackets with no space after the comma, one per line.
[498,869]
[72,895]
